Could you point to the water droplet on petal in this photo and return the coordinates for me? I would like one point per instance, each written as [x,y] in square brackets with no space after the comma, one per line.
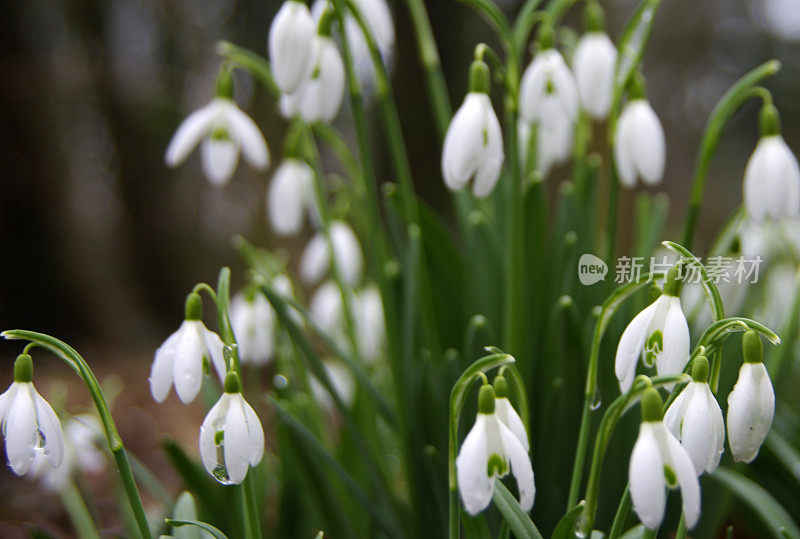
[596,401]
[220,472]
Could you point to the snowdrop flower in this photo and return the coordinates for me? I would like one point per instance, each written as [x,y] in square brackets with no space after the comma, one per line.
[185,355]
[473,145]
[695,418]
[639,147]
[772,176]
[378,18]
[659,334]
[342,382]
[553,144]
[594,63]
[548,91]
[659,460]
[751,404]
[253,324]
[316,258]
[490,450]
[225,131]
[290,51]
[81,452]
[28,422]
[290,196]
[319,96]
[370,326]
[506,413]
[325,308]
[231,436]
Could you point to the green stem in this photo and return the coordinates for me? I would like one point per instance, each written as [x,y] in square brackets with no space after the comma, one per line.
[250,61]
[457,398]
[727,106]
[607,426]
[251,506]
[623,510]
[609,308]
[431,65]
[73,503]
[681,533]
[74,360]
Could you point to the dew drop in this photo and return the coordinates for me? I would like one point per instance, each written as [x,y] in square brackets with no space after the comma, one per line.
[40,443]
[596,401]
[220,471]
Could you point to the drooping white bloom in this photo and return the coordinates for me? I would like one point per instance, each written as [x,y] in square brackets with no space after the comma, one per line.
[370,326]
[772,181]
[548,91]
[181,360]
[342,382]
[325,308]
[639,147]
[316,258]
[291,196]
[659,335]
[490,450]
[29,425]
[81,453]
[553,144]
[509,417]
[473,146]
[594,63]
[225,131]
[658,460]
[378,18]
[231,437]
[695,418]
[253,324]
[319,96]
[751,407]
[290,51]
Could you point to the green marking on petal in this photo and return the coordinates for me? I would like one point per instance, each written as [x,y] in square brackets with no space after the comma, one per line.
[220,133]
[496,466]
[653,347]
[670,476]
[218,437]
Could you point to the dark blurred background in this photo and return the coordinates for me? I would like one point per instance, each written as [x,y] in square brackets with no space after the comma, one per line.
[102,242]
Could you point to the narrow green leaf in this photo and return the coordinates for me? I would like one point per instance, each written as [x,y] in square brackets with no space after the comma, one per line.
[775,517]
[633,43]
[202,525]
[519,522]
[715,300]
[565,529]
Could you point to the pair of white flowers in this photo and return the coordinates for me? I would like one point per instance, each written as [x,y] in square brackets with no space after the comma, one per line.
[231,436]
[496,444]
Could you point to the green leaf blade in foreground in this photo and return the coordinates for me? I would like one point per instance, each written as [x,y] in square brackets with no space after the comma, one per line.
[775,517]
[519,522]
[202,525]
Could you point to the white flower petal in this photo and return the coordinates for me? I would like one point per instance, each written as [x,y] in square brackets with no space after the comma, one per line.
[236,441]
[290,194]
[50,427]
[255,433]
[219,158]
[315,260]
[349,258]
[474,483]
[521,467]
[649,146]
[188,363]
[161,374]
[213,351]
[21,430]
[675,354]
[208,430]
[594,63]
[290,50]
[511,419]
[681,464]
[467,133]
[646,475]
[247,135]
[623,148]
[751,406]
[673,417]
[196,126]
[630,346]
[698,435]
[6,399]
